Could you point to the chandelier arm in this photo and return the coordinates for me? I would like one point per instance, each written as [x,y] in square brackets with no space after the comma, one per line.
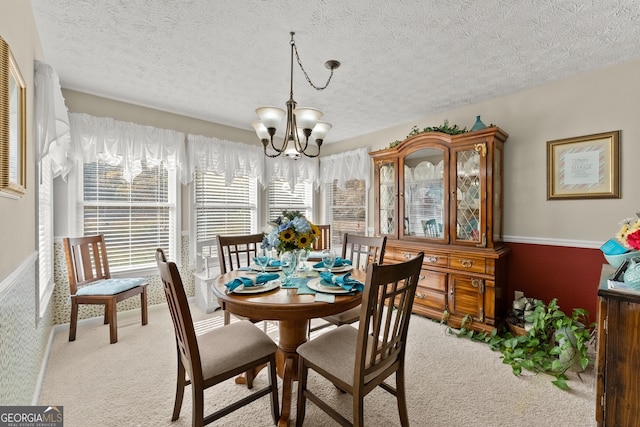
[331,67]
[311,155]
[265,144]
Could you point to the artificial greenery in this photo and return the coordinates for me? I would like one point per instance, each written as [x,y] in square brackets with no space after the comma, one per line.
[444,128]
[547,347]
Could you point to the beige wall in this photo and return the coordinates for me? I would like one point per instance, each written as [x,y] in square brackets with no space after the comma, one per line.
[17,216]
[599,101]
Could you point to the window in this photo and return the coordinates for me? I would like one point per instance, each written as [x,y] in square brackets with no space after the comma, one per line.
[281,198]
[221,209]
[136,217]
[346,209]
[45,234]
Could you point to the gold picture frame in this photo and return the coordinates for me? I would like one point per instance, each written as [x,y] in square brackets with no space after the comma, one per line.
[13,126]
[584,167]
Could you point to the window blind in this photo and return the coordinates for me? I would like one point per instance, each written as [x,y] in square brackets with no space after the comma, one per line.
[281,198]
[45,230]
[136,217]
[346,209]
[221,209]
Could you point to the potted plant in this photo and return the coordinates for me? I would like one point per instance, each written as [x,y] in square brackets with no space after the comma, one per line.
[553,343]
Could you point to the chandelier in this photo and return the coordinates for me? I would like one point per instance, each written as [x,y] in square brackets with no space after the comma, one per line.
[303,126]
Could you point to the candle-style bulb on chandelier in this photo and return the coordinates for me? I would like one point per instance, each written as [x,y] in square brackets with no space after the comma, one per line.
[303,124]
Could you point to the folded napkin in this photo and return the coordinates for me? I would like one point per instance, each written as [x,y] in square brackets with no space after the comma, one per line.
[271,263]
[344,280]
[339,263]
[251,281]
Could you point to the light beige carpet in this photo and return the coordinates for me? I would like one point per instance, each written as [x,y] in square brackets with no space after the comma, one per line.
[452,382]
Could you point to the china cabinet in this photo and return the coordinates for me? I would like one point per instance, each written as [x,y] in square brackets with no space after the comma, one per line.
[443,195]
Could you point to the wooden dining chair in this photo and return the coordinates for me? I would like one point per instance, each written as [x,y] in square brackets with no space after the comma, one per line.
[324,238]
[235,252]
[215,356]
[90,282]
[430,228]
[362,251]
[358,360]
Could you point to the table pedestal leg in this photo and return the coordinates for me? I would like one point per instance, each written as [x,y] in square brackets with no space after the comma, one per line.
[292,334]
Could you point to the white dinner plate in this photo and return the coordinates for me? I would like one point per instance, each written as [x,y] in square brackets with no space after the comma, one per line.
[256,289]
[342,269]
[317,285]
[256,267]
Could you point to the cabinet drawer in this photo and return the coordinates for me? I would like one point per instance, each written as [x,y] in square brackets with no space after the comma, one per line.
[433,280]
[435,259]
[430,298]
[467,263]
[407,254]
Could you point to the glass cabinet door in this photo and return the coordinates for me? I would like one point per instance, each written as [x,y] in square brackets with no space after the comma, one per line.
[424,194]
[387,196]
[467,196]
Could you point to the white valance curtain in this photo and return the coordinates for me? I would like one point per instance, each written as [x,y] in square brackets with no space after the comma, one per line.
[345,167]
[226,158]
[234,159]
[51,119]
[293,171]
[127,144]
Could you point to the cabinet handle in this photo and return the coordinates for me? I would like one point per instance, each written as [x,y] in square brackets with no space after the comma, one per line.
[420,296]
[407,255]
[432,259]
[422,277]
[466,263]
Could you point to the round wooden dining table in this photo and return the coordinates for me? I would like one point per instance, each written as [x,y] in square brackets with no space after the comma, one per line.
[292,312]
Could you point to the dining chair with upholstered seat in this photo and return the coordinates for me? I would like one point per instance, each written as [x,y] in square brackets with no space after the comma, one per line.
[214,356]
[235,252]
[357,360]
[90,282]
[361,251]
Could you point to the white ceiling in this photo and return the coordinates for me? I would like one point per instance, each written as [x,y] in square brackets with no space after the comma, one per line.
[401,60]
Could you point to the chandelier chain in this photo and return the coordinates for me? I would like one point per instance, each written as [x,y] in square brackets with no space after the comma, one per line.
[295,48]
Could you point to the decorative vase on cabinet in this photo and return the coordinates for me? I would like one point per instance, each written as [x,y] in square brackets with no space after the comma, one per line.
[447,191]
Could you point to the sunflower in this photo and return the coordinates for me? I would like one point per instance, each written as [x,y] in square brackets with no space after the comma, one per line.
[304,240]
[315,231]
[287,236]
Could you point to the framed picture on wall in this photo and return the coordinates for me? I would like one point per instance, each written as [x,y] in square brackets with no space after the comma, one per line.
[584,167]
[13,126]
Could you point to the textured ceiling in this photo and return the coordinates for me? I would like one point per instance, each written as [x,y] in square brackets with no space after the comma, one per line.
[401,60]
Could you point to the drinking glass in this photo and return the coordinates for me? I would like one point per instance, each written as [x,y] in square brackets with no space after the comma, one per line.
[328,259]
[304,256]
[262,258]
[288,265]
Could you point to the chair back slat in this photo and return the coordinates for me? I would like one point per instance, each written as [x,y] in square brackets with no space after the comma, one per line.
[363,250]
[87,260]
[324,238]
[186,342]
[384,320]
[237,251]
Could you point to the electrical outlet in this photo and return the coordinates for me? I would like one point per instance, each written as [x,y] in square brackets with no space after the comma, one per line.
[518,295]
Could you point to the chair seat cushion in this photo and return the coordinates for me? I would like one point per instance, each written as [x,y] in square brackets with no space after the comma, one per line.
[111,286]
[340,360]
[350,316]
[231,346]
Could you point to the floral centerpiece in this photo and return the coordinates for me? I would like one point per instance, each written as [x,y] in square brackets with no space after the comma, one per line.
[629,233]
[291,231]
[625,244]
